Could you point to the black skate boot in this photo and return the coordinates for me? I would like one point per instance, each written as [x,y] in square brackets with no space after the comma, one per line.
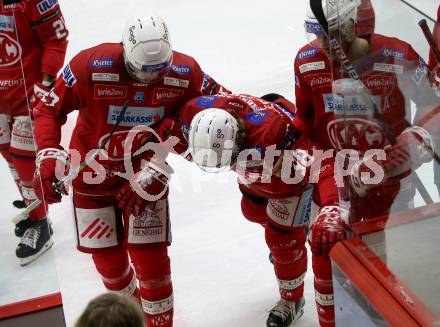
[35,241]
[285,313]
[21,227]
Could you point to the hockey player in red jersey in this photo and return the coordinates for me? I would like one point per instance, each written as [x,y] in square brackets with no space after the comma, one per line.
[33,41]
[342,82]
[242,132]
[113,222]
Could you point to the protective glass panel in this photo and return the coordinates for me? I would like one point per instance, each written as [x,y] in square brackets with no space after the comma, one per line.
[21,278]
[384,101]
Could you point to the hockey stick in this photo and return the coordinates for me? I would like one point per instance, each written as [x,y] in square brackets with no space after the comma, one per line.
[57,184]
[419,11]
[318,11]
[430,38]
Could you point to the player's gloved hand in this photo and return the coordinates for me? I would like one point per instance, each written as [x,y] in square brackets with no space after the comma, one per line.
[52,164]
[328,228]
[170,127]
[147,185]
[40,91]
[413,148]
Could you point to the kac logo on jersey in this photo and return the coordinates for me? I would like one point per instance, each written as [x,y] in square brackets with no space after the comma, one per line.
[46,5]
[10,51]
[307,53]
[256,117]
[7,23]
[181,70]
[68,76]
[392,53]
[103,63]
[139,97]
[206,101]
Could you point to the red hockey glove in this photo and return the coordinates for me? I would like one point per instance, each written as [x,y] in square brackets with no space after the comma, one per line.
[170,127]
[328,228]
[413,148]
[40,91]
[52,165]
[147,185]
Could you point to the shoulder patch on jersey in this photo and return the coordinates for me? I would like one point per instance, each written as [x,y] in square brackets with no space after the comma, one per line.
[317,65]
[7,23]
[421,72]
[103,63]
[206,101]
[392,53]
[307,53]
[105,77]
[181,69]
[68,76]
[176,82]
[256,118]
[388,68]
[46,5]
[161,94]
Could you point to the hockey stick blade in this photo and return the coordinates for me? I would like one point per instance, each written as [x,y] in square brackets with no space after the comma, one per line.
[57,185]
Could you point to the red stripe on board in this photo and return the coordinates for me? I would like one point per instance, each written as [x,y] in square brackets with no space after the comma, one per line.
[31,305]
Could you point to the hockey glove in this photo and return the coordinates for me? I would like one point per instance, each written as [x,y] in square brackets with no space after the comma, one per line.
[147,185]
[40,91]
[52,165]
[170,127]
[328,228]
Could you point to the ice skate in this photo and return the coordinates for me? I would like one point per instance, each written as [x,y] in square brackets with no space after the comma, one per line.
[35,241]
[285,313]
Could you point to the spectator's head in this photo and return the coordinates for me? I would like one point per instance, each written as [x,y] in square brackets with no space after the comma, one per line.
[112,310]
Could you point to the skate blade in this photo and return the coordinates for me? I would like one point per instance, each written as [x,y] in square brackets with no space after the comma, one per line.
[32,258]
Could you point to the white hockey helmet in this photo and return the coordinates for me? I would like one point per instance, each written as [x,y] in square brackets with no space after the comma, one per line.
[336,12]
[147,48]
[213,139]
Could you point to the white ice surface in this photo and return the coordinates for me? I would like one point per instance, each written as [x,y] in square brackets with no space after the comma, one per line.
[221,273]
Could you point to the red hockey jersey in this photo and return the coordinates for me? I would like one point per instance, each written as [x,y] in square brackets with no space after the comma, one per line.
[393,74]
[266,124]
[33,40]
[96,83]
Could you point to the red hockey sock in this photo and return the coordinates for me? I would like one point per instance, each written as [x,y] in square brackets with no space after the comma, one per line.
[116,272]
[153,271]
[25,167]
[5,153]
[324,290]
[290,260]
